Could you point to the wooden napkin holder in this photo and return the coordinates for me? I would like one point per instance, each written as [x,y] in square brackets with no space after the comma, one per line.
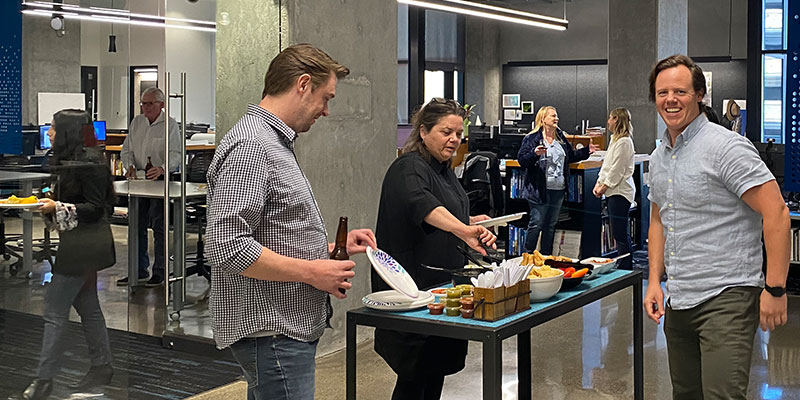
[493,304]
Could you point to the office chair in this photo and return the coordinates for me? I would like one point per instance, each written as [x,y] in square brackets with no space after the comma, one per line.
[196,214]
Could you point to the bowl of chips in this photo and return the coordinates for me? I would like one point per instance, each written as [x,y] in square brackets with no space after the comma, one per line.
[545,282]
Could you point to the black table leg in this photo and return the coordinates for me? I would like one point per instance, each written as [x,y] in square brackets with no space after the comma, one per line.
[638,343]
[350,360]
[492,368]
[524,365]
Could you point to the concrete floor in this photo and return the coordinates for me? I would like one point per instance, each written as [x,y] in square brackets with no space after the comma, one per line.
[585,354]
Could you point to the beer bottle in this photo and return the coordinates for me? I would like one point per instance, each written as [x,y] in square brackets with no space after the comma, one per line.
[149,165]
[340,248]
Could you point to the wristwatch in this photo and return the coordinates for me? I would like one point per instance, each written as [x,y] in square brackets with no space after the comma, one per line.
[775,291]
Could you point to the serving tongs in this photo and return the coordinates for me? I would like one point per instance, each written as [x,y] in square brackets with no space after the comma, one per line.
[470,257]
[480,267]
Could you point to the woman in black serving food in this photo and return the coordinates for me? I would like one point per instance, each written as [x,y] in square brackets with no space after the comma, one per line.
[422,218]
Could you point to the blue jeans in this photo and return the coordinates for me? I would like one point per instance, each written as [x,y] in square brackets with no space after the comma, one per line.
[544,217]
[79,292]
[151,215]
[618,209]
[277,367]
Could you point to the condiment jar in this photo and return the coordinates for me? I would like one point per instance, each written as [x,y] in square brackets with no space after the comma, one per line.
[467,313]
[453,293]
[436,308]
[452,311]
[467,303]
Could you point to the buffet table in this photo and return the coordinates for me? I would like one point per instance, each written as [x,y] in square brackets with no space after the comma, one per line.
[492,334]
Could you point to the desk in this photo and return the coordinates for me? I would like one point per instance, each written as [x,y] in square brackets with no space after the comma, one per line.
[26,179]
[189,148]
[155,190]
[492,334]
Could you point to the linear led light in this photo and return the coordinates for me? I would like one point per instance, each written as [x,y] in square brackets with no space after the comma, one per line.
[114,16]
[493,12]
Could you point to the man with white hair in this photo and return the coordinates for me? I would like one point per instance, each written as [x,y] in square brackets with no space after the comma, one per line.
[143,149]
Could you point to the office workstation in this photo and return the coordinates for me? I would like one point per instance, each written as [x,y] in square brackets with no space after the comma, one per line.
[410,54]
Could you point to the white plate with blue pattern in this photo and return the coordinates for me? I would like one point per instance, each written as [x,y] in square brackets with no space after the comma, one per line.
[392,273]
[392,300]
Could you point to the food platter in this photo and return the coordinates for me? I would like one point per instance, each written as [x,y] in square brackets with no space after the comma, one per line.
[392,273]
[20,206]
[392,300]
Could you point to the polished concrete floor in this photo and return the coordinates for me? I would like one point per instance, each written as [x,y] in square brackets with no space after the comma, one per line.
[585,354]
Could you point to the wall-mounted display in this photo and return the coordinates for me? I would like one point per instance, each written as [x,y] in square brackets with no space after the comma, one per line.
[527,107]
[509,114]
[511,101]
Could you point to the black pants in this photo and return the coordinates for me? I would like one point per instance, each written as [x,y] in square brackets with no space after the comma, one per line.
[429,388]
[618,208]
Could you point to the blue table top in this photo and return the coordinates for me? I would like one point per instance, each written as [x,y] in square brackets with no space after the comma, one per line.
[559,297]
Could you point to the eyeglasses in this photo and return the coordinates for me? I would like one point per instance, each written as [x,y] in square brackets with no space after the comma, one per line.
[148,103]
[675,93]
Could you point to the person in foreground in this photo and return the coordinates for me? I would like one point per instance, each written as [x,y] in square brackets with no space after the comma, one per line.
[271,276]
[615,180]
[711,198]
[423,217]
[84,197]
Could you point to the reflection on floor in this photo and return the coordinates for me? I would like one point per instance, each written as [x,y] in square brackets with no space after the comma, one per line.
[582,355]
[144,311]
[586,354]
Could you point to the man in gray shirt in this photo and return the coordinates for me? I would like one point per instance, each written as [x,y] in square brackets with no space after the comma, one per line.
[711,198]
[271,276]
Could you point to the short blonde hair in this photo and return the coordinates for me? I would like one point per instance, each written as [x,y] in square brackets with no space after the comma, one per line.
[537,122]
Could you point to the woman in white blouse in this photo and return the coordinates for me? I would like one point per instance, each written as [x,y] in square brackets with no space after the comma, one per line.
[615,180]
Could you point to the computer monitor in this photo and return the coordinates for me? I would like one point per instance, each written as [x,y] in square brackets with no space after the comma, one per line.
[44,140]
[100,130]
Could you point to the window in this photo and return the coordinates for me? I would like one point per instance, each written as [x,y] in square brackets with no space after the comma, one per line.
[773,69]
[441,68]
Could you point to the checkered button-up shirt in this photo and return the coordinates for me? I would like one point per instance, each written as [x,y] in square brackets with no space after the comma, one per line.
[258,197]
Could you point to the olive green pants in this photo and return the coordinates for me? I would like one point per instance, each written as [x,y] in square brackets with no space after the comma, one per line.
[710,346]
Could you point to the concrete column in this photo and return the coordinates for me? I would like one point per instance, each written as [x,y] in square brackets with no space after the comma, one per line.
[49,63]
[248,38]
[345,155]
[635,43]
[483,68]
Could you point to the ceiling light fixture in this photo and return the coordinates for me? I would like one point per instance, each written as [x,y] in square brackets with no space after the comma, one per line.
[491,12]
[114,16]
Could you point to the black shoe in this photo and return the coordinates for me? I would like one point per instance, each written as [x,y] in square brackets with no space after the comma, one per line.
[124,281]
[99,375]
[39,389]
[155,281]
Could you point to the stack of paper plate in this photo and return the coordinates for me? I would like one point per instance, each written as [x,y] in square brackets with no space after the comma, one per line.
[392,300]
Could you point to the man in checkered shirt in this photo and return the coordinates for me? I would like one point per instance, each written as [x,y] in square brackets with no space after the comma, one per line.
[271,276]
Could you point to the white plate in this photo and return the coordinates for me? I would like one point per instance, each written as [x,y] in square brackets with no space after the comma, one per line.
[392,300]
[21,206]
[501,221]
[392,272]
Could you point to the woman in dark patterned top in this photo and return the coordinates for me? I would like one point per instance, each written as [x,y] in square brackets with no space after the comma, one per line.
[423,216]
[84,197]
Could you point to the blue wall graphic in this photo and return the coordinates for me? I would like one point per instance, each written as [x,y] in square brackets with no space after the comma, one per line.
[10,77]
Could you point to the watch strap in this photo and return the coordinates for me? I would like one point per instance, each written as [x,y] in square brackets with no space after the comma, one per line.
[775,291]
